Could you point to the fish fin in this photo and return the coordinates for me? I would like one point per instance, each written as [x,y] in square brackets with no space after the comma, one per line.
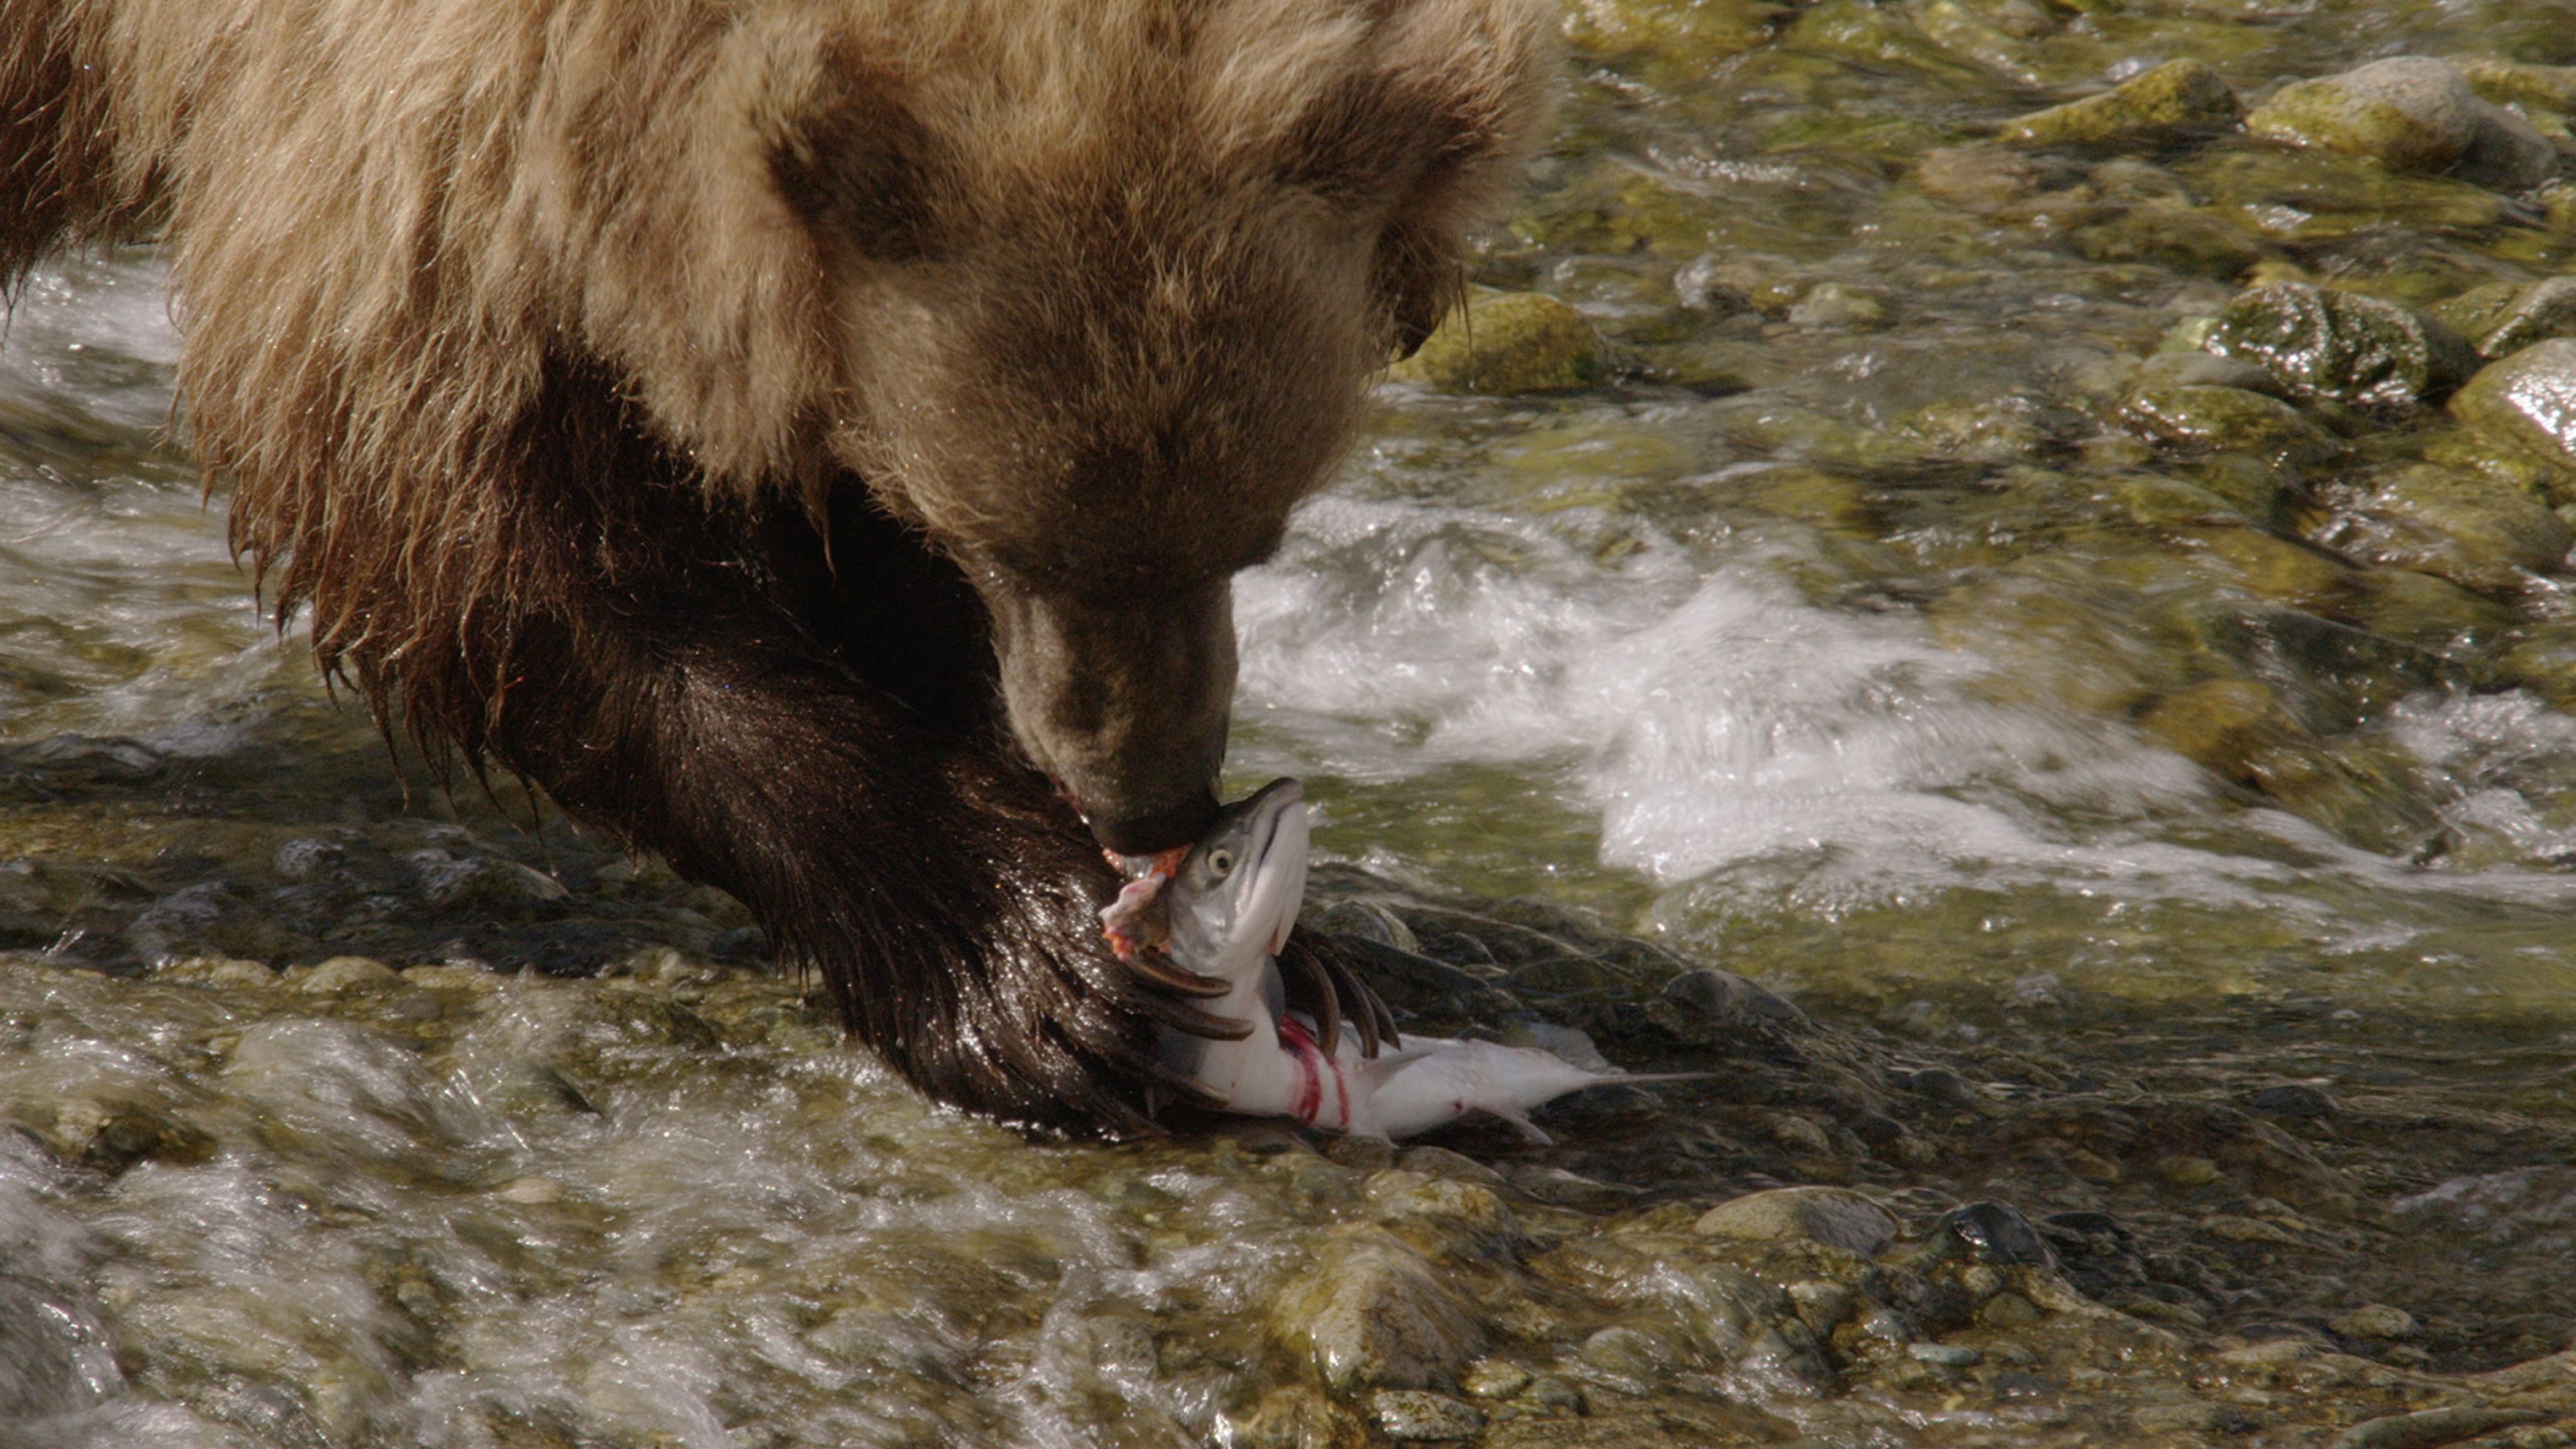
[1530,1131]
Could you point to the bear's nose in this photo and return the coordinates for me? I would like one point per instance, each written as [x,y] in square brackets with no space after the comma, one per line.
[1147,832]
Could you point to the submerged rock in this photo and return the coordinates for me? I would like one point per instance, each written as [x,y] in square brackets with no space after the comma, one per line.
[2477,531]
[2221,724]
[1833,1217]
[1697,34]
[1509,342]
[2178,98]
[2509,83]
[1373,1312]
[1413,1416]
[1992,1233]
[1987,177]
[2228,419]
[2504,320]
[2342,345]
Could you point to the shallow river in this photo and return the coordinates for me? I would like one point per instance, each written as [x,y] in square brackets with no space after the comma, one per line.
[1853,634]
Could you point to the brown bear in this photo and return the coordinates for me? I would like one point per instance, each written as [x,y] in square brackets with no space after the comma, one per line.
[812,439]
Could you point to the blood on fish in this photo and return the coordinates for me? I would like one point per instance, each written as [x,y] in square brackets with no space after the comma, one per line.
[1231,902]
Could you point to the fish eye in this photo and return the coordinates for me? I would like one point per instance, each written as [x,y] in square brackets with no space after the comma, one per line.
[1220,863]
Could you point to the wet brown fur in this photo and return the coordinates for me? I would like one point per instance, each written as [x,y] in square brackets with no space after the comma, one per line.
[686,404]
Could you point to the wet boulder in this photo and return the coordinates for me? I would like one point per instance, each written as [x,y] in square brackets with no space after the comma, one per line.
[2475,530]
[1993,1233]
[2505,319]
[2197,240]
[1413,1416]
[1509,342]
[2221,724]
[1833,1217]
[2227,420]
[2177,99]
[2410,113]
[2512,83]
[1375,1313]
[1696,35]
[2342,345]
[2527,401]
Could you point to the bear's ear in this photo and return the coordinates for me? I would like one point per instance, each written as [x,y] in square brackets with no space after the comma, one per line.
[857,163]
[1427,137]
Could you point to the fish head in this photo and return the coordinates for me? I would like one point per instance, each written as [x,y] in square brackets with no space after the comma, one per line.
[1236,894]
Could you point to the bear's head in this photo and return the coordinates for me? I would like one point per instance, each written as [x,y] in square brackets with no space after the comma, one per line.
[1102,283]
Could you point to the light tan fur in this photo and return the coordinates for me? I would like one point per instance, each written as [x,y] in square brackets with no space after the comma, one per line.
[1083,291]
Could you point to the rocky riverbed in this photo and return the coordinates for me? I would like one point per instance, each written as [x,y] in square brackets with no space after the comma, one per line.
[1990,574]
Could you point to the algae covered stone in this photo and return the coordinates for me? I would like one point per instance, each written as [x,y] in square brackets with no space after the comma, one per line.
[2477,531]
[2535,314]
[2410,113]
[2343,345]
[2509,83]
[1693,32]
[2220,724]
[2197,240]
[1509,342]
[1834,1217]
[1373,1312]
[2229,419]
[2178,98]
[2527,400]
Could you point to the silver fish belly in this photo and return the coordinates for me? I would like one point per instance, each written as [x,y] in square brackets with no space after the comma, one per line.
[1231,903]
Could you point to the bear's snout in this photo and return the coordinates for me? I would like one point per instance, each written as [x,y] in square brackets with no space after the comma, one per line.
[1125,703]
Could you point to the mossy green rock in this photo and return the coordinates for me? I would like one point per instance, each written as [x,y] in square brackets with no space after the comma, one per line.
[2180,97]
[2476,531]
[2190,239]
[2543,660]
[2343,345]
[2227,419]
[2320,195]
[2409,113]
[1373,1312]
[1691,32]
[1509,342]
[2527,400]
[2535,314]
[1835,1217]
[2220,723]
[2425,611]
[2507,83]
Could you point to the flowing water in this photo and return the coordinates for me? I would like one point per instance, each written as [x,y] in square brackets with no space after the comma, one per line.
[1832,648]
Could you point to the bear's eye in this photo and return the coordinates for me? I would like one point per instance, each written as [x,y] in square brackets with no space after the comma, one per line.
[1220,863]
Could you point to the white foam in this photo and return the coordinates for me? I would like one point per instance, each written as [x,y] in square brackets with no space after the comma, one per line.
[1716,724]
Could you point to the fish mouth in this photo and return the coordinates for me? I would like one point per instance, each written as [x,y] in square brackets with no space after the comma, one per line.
[1275,850]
